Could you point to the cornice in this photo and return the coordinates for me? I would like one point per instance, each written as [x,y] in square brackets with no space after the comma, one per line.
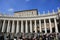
[46,15]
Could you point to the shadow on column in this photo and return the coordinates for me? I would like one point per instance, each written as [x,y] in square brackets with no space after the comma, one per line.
[53,29]
[58,27]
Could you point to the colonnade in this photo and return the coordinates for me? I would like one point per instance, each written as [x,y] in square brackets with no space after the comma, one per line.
[26,26]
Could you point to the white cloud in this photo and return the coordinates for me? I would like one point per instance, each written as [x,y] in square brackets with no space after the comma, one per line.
[27,0]
[10,9]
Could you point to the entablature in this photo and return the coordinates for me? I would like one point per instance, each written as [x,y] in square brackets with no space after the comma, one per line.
[28,18]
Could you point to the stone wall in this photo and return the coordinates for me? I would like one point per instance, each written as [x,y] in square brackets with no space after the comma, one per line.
[26,13]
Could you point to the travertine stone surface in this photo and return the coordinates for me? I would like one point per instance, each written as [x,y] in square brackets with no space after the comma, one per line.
[26,13]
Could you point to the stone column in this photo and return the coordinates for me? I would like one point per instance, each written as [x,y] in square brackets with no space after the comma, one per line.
[17,27]
[3,27]
[56,28]
[22,28]
[31,26]
[35,26]
[26,30]
[13,28]
[0,25]
[45,26]
[8,26]
[50,26]
[40,25]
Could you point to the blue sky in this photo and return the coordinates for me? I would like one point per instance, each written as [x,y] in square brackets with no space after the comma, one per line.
[10,6]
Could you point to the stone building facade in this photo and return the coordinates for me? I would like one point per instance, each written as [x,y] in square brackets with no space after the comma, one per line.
[28,21]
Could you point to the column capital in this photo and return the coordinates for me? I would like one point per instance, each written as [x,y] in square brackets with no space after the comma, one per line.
[18,20]
[26,20]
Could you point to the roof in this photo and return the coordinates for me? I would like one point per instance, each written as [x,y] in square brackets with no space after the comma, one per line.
[26,10]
